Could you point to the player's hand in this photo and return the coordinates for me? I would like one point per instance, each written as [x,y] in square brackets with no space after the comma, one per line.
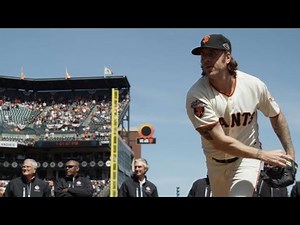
[276,158]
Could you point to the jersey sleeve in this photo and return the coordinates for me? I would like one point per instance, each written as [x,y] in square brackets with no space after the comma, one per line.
[200,111]
[267,104]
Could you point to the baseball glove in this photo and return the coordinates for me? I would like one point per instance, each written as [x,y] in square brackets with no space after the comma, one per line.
[278,177]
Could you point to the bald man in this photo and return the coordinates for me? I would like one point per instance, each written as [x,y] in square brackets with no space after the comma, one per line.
[73,185]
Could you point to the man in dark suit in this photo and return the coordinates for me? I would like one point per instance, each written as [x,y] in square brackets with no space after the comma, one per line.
[200,188]
[73,185]
[295,192]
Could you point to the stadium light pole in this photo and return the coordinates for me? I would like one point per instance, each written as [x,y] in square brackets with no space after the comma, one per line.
[177,191]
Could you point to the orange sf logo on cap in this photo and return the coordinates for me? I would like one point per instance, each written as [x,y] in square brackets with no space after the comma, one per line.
[205,39]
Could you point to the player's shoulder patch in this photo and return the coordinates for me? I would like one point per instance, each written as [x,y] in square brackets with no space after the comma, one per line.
[199,107]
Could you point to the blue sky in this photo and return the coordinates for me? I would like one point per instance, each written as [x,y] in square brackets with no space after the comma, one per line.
[160,68]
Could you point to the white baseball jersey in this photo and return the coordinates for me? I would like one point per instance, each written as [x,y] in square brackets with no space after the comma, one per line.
[236,113]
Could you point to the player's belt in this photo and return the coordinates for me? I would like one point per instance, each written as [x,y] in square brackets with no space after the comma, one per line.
[226,160]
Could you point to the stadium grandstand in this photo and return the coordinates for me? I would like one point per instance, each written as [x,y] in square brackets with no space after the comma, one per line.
[53,120]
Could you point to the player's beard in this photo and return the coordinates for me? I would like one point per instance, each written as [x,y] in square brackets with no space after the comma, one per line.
[211,72]
[205,72]
[215,69]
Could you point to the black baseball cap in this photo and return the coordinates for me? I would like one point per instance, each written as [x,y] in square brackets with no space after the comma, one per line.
[217,41]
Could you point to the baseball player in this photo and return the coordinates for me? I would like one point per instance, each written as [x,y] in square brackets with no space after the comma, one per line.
[222,106]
